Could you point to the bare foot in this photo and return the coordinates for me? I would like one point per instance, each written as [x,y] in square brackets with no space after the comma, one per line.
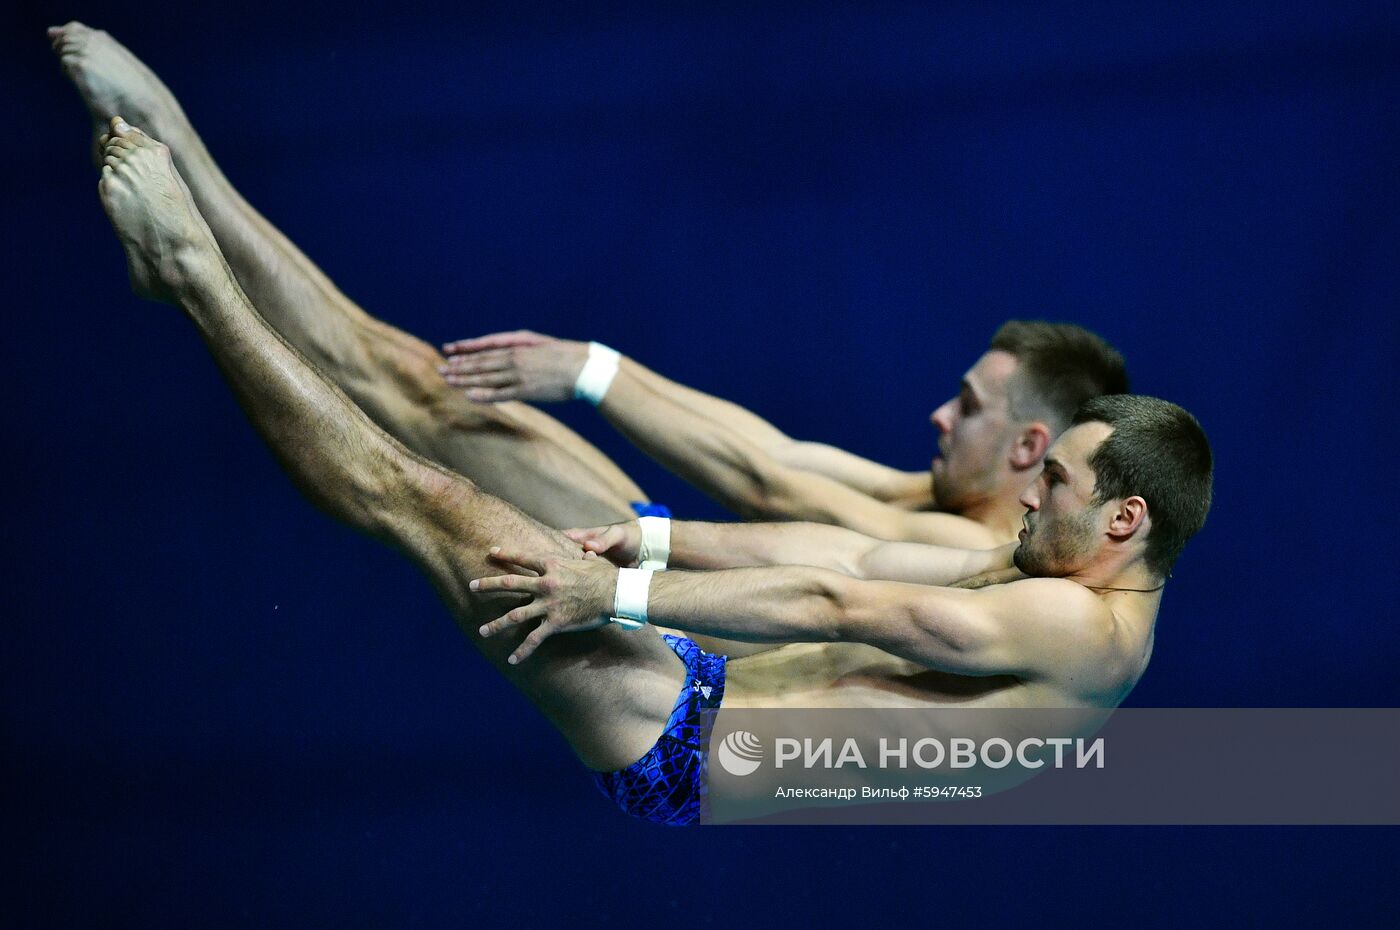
[165,238]
[113,81]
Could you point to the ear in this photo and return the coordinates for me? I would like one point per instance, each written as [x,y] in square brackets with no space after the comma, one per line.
[1129,517]
[1030,446]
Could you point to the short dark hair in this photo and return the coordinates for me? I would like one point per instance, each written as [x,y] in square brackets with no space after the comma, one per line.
[1061,365]
[1159,452]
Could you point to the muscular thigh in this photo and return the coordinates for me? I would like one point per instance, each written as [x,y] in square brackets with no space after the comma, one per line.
[609,692]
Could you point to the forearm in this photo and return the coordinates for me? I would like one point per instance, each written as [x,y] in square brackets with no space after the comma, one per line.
[739,420]
[711,546]
[720,461]
[936,626]
[904,489]
[939,628]
[761,605]
[930,625]
[908,490]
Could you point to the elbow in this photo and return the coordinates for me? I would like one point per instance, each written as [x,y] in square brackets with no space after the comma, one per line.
[768,495]
[831,608]
[757,495]
[856,565]
[750,482]
[756,504]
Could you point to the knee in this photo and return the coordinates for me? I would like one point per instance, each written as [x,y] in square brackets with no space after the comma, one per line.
[410,364]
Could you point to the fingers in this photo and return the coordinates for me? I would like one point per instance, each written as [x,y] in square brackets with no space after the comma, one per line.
[492,395]
[485,379]
[482,361]
[530,643]
[579,534]
[608,541]
[515,618]
[519,584]
[592,545]
[515,557]
[512,619]
[519,337]
[489,376]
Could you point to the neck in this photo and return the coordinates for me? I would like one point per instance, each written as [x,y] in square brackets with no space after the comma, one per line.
[1131,575]
[1001,515]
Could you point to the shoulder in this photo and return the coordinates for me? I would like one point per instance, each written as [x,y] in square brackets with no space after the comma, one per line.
[1050,596]
[1063,627]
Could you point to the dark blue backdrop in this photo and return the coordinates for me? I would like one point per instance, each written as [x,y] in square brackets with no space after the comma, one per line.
[221,708]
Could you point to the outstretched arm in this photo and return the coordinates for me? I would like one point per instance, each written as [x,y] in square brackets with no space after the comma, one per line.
[1017,629]
[529,366]
[730,464]
[711,546]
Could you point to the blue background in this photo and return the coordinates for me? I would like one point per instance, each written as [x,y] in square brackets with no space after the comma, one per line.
[222,708]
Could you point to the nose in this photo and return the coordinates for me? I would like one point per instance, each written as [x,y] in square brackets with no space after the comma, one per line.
[942,418]
[1030,497]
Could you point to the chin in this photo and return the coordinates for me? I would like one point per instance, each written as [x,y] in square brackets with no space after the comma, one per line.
[1029,561]
[944,492]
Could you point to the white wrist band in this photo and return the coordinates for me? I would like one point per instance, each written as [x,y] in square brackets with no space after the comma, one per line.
[630,598]
[597,374]
[656,543]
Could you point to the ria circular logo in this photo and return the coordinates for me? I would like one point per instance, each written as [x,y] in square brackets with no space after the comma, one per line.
[740,753]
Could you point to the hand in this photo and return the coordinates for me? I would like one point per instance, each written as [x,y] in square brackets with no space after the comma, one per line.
[620,543]
[987,579]
[569,596]
[514,366]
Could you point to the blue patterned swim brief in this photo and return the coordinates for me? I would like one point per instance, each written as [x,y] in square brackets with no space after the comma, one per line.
[667,785]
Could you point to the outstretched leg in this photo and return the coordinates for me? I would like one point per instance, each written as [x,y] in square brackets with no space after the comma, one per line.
[609,693]
[514,451]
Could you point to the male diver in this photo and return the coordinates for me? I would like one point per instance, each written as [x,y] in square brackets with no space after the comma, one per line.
[1011,404]
[1123,490]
